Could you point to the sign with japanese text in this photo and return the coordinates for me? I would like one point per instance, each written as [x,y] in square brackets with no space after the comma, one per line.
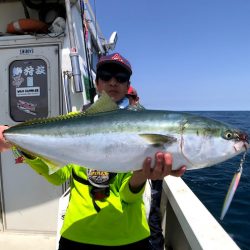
[28,85]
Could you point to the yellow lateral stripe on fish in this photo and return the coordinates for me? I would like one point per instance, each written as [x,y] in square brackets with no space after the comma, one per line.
[231,191]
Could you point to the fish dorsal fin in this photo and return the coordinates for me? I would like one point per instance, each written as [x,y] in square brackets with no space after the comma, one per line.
[103,104]
[158,140]
[137,107]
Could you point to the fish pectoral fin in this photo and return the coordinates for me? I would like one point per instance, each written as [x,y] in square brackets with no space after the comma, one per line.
[103,104]
[53,166]
[158,140]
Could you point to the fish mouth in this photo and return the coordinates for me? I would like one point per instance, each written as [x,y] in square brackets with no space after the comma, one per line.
[241,142]
[243,137]
[239,145]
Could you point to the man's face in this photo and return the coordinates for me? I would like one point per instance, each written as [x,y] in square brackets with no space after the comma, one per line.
[114,80]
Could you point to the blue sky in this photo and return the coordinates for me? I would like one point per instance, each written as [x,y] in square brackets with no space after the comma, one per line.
[186,54]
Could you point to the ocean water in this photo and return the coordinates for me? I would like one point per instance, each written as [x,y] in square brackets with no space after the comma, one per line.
[210,185]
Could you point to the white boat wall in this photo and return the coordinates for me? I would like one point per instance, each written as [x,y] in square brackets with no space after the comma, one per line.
[186,222]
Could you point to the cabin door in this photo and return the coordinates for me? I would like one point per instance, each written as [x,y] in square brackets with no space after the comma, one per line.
[30,88]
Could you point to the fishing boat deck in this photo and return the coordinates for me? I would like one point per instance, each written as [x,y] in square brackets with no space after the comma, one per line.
[15,241]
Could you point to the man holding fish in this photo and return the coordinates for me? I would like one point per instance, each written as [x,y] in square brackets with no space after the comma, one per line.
[105,209]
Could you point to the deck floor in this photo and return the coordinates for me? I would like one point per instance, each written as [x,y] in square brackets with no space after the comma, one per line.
[13,241]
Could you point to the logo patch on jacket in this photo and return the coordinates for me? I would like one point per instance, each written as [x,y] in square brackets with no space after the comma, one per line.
[98,178]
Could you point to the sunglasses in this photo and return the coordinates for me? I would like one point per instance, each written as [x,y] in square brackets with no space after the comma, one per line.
[120,77]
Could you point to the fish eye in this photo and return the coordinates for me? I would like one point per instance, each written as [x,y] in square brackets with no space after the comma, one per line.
[228,135]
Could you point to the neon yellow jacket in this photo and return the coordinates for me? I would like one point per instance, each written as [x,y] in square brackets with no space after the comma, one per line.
[121,220]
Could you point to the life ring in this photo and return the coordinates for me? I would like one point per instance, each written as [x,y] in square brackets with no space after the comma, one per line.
[27,25]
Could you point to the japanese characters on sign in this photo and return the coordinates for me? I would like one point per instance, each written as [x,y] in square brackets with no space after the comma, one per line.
[28,84]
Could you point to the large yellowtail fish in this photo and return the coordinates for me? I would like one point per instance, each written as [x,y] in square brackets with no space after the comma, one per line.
[110,139]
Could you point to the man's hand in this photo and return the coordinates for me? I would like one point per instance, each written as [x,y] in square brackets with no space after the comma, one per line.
[4,145]
[162,168]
